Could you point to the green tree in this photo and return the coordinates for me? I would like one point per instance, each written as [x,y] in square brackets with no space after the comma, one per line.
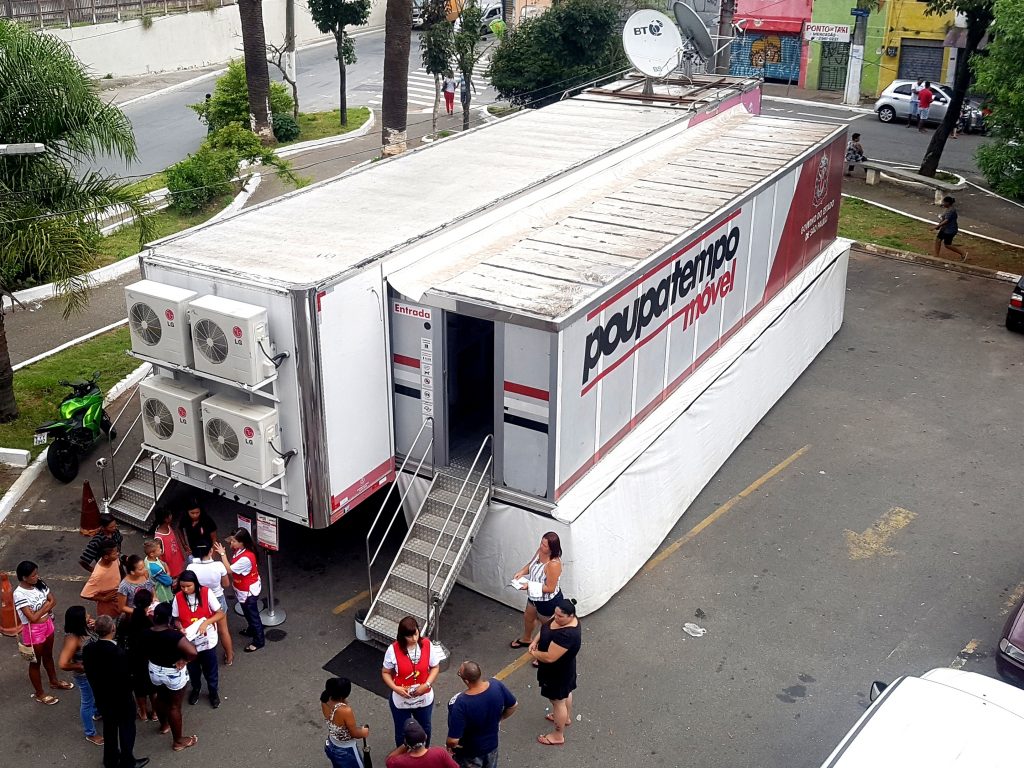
[229,102]
[574,42]
[979,19]
[48,206]
[436,48]
[1000,75]
[394,106]
[467,52]
[333,16]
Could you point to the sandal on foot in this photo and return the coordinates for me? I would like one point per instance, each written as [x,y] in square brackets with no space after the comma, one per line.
[63,685]
[535,664]
[191,741]
[48,700]
[517,643]
[547,742]
[95,739]
[250,648]
[164,730]
[551,718]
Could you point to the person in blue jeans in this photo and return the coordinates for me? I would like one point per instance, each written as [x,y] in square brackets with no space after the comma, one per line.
[76,636]
[342,747]
[474,715]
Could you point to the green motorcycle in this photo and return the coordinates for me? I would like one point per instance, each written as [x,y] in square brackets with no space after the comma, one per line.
[82,423]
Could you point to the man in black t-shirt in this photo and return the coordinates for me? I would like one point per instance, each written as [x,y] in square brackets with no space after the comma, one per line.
[197,527]
[108,532]
[474,715]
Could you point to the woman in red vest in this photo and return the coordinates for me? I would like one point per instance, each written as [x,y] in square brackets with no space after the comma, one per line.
[245,577]
[198,611]
[411,664]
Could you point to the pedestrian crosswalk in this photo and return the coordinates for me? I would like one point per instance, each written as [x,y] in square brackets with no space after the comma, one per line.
[421,91]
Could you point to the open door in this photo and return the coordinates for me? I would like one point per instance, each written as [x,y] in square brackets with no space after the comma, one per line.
[469,384]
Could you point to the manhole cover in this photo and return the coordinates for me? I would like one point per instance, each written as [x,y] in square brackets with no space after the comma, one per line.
[275,635]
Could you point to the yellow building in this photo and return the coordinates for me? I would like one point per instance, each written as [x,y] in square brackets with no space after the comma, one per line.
[912,44]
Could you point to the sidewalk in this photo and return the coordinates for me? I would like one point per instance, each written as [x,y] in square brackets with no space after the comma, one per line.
[124,89]
[781,91]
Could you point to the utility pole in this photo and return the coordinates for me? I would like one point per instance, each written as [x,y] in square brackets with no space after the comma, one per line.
[290,67]
[855,63]
[725,29]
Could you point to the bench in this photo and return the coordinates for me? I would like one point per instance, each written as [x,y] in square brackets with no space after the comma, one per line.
[873,174]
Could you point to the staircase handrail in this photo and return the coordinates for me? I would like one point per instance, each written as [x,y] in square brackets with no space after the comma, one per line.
[412,448]
[112,451]
[455,504]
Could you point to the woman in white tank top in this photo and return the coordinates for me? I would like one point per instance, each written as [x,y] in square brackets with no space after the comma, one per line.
[544,572]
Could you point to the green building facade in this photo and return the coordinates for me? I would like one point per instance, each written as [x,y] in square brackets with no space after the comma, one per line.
[827,62]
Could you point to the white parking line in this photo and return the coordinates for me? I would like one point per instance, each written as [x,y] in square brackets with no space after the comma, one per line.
[829,117]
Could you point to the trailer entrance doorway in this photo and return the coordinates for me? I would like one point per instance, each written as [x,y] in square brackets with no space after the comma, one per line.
[469,350]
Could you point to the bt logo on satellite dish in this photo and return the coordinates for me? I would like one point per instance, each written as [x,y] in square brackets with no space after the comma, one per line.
[654,28]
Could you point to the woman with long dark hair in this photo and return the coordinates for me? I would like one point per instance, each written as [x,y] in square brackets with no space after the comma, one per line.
[168,653]
[197,612]
[76,636]
[342,732]
[136,577]
[555,650]
[245,578]
[411,664]
[34,604]
[542,575]
[130,634]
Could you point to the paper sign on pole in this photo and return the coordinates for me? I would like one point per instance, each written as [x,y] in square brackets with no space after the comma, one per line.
[244,522]
[266,532]
[827,33]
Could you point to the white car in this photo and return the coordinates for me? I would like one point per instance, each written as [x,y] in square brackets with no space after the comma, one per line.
[944,719]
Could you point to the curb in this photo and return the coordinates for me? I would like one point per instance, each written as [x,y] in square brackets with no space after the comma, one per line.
[29,476]
[250,186]
[931,261]
[823,104]
[329,141]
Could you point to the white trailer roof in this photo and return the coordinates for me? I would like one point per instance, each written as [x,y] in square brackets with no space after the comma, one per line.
[562,252]
[313,235]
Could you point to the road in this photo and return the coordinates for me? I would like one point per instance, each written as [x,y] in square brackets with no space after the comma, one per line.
[892,142]
[909,416]
[166,129]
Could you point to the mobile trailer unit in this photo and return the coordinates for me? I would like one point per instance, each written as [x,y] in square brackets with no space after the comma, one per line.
[441,284]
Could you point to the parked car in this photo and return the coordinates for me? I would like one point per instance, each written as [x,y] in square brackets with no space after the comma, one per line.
[1015,322]
[894,104]
[947,718]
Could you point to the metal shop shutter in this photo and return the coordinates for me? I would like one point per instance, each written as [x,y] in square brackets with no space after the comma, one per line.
[771,55]
[834,60]
[920,58]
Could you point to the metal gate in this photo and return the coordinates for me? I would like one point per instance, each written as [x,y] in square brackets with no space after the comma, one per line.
[771,55]
[920,58]
[834,59]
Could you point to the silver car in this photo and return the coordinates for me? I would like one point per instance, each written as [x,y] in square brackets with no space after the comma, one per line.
[894,103]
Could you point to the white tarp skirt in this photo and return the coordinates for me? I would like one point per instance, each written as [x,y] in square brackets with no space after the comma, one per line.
[615,518]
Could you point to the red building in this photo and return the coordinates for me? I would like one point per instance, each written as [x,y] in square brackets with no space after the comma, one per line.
[768,40]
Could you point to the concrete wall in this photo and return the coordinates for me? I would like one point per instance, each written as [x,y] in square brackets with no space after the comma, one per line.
[184,41]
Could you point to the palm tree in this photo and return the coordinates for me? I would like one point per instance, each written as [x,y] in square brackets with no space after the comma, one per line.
[48,209]
[395,96]
[257,74]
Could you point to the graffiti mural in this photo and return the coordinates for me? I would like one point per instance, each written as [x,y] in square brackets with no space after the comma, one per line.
[771,55]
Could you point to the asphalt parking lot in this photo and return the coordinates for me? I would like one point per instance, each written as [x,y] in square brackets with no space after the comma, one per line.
[887,543]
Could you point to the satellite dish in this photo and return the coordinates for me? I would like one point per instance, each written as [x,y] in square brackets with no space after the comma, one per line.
[693,30]
[652,43]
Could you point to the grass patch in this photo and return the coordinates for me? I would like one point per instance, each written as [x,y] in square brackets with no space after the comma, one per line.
[152,184]
[320,125]
[125,241]
[869,224]
[501,111]
[445,134]
[38,394]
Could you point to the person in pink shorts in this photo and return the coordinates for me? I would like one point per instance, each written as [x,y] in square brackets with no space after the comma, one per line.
[34,605]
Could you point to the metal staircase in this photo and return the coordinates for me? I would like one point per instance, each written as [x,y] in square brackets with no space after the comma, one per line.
[135,498]
[437,544]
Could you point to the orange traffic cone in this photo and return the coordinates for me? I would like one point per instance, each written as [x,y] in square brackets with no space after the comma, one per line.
[90,521]
[9,624]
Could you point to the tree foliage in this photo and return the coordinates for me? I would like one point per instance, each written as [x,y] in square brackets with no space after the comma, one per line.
[466,52]
[229,102]
[48,205]
[437,48]
[1000,75]
[334,16]
[572,43]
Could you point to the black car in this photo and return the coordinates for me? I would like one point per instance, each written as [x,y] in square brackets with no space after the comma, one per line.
[1015,312]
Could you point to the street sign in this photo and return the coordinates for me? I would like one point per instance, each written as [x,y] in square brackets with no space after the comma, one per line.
[860,12]
[827,33]
[266,531]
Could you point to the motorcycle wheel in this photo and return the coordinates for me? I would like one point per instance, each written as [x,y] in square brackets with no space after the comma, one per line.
[62,459]
[107,426]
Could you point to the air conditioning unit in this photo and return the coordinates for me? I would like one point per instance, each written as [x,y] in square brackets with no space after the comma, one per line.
[230,339]
[158,321]
[171,417]
[239,438]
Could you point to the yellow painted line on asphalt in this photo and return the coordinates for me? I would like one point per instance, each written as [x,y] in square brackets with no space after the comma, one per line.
[961,658]
[874,540]
[693,532]
[1013,599]
[519,663]
[338,609]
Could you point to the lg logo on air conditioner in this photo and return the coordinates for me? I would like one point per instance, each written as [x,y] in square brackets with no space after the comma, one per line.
[169,314]
[182,415]
[237,333]
[249,434]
